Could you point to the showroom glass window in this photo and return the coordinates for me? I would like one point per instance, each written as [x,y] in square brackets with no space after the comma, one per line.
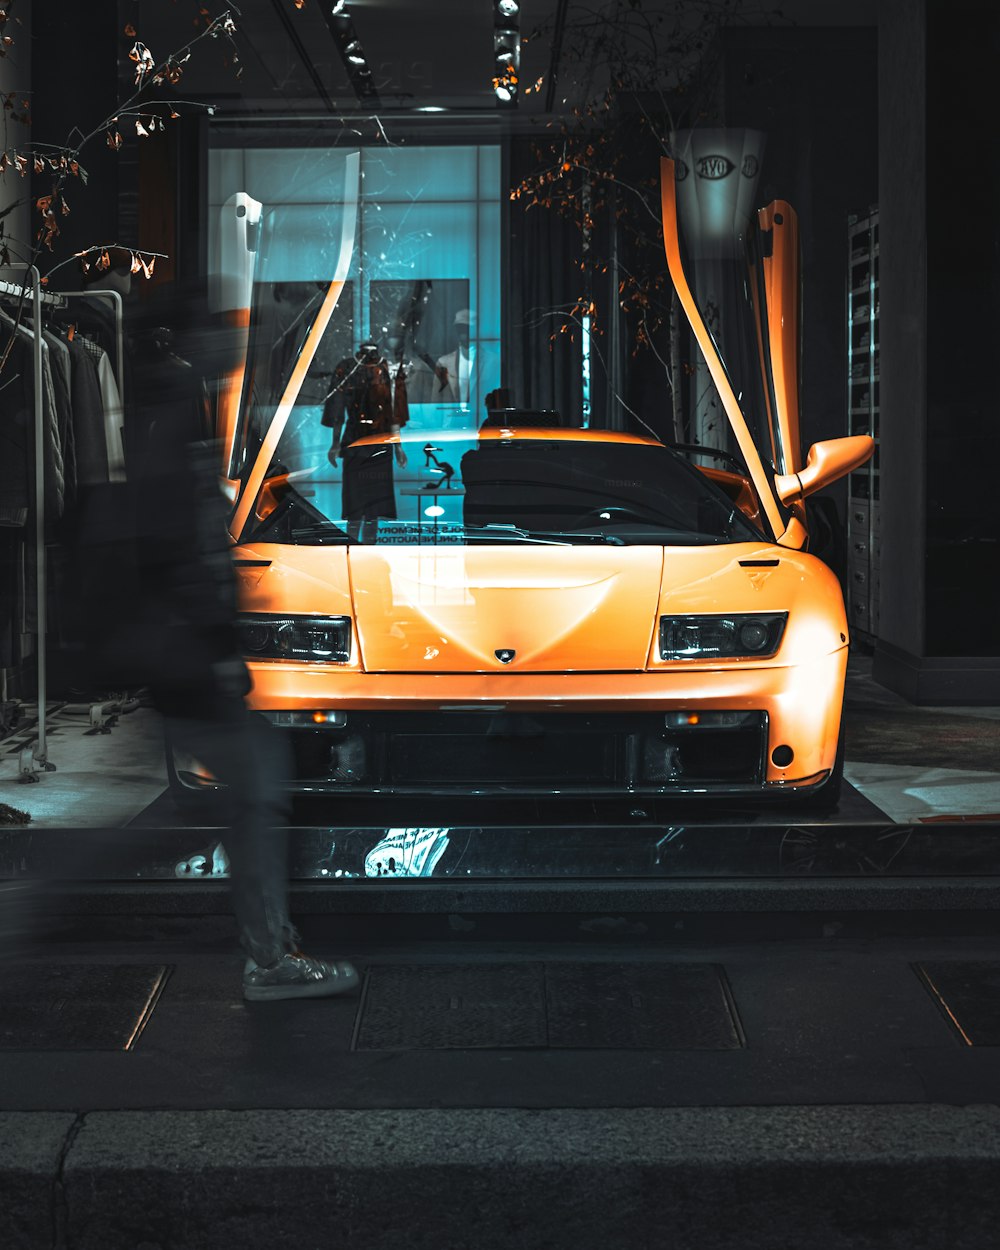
[426,257]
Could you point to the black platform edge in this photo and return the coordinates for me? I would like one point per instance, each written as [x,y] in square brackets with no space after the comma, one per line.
[448,897]
[937,681]
[863,1177]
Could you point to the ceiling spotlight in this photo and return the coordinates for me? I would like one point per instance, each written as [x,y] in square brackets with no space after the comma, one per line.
[507,8]
[430,108]
[505,87]
[340,5]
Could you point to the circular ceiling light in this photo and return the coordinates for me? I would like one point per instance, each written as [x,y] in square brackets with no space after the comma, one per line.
[508,8]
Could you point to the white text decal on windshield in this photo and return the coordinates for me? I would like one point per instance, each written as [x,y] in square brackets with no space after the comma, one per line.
[408,533]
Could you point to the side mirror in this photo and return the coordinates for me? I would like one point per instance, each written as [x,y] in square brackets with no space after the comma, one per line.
[826,462]
[737,488]
[274,489]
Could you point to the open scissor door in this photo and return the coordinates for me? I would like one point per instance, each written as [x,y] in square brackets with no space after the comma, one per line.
[288,318]
[239,232]
[781,327]
[731,299]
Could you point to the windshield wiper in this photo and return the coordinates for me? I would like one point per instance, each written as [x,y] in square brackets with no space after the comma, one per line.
[322,529]
[560,538]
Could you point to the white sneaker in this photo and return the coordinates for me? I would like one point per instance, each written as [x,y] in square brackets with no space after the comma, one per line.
[297,976]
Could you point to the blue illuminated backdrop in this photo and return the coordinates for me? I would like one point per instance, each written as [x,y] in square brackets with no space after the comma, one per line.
[428,215]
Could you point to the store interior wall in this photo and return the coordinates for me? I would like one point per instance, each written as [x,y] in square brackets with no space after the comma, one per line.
[79,48]
[939,281]
[15,77]
[543,365]
[903,291]
[963,322]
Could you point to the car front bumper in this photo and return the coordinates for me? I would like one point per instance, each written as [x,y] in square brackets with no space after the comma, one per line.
[559,733]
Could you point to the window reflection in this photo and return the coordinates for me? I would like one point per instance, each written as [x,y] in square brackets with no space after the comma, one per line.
[407,853]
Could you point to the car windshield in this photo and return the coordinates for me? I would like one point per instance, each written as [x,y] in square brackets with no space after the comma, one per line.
[463,489]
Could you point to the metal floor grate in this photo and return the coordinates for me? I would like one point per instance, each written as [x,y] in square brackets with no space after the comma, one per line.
[59,1006]
[565,1006]
[967,992]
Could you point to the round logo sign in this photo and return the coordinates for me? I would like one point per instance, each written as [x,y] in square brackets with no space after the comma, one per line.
[714,167]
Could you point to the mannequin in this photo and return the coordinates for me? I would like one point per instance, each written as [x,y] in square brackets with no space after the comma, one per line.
[366,399]
[458,366]
[471,369]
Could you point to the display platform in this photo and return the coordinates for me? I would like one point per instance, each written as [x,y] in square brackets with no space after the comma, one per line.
[346,810]
[521,853]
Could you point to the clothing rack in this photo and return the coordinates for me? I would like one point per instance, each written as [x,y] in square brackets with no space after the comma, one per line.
[37,760]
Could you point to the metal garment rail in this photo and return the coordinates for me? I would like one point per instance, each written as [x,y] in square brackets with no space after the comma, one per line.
[29,288]
[116,303]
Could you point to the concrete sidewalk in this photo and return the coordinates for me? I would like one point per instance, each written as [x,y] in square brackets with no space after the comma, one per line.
[843,1109]
[779,1178]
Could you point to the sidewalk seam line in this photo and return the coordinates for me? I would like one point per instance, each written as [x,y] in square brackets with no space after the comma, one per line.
[59,1206]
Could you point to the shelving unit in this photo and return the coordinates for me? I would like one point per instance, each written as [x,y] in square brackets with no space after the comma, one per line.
[863,522]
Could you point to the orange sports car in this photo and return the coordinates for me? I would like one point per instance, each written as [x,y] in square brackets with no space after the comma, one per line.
[531,608]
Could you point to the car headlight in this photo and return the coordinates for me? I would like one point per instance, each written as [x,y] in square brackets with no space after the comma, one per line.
[707,637]
[324,638]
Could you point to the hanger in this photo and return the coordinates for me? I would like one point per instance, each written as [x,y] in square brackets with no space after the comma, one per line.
[16,325]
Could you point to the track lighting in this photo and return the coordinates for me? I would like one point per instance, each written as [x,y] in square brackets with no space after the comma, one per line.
[506,51]
[341,26]
[506,57]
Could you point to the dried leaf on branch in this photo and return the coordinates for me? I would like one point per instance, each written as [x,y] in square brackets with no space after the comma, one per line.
[143,264]
[50,227]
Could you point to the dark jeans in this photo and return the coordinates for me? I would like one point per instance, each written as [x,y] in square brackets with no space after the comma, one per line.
[253,761]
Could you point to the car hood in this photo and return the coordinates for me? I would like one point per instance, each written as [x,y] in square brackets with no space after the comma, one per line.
[559,609]
[520,609]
